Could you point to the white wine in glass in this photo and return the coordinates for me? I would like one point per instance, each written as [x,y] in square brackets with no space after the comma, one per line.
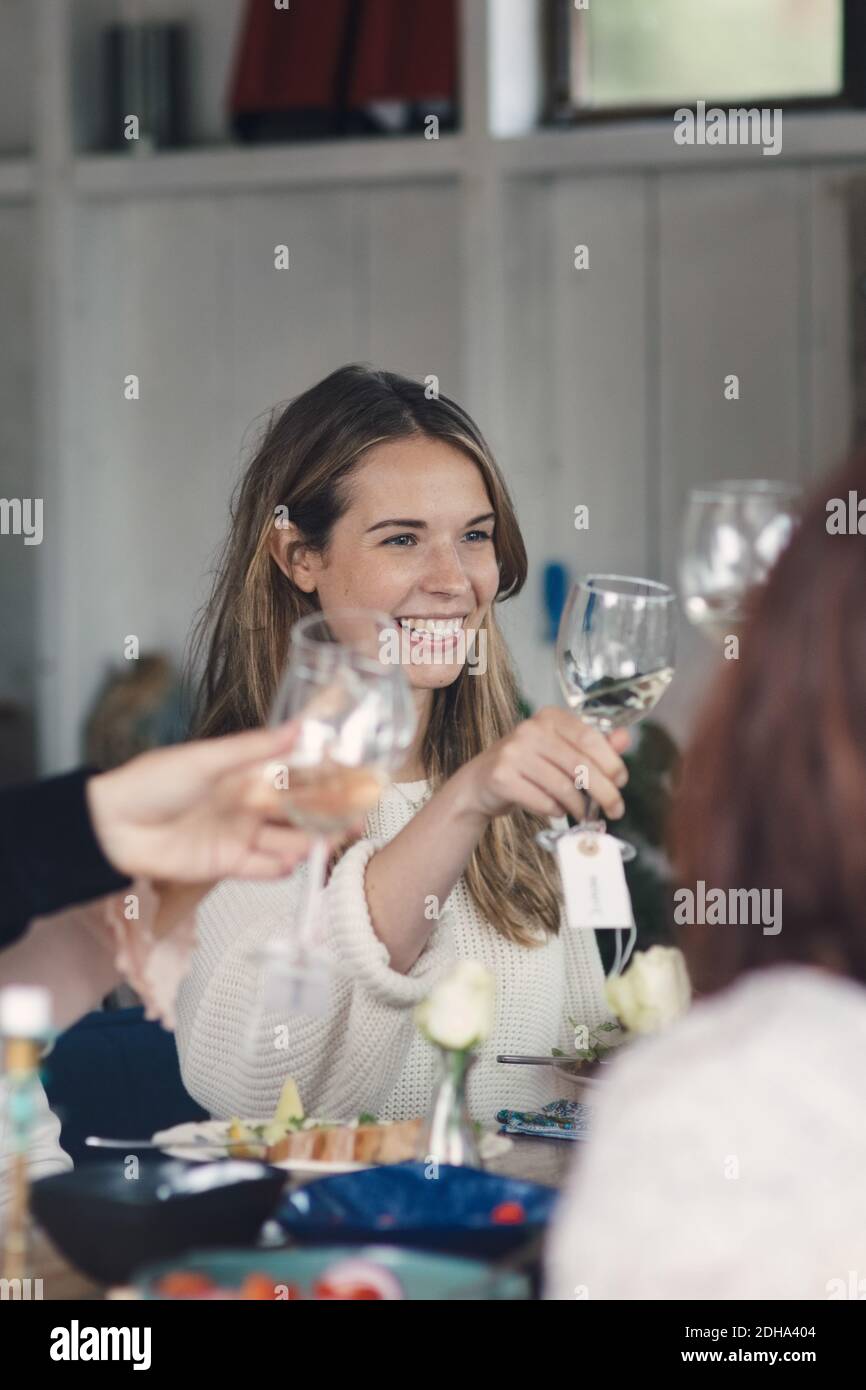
[615,659]
[326,799]
[356,720]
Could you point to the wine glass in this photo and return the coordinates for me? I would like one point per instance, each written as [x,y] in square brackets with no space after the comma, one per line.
[347,690]
[733,533]
[615,659]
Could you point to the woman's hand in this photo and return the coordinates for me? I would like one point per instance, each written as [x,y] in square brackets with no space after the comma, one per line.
[199,812]
[541,764]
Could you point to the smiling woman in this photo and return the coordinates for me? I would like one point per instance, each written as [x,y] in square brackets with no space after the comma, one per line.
[436,571]
[366,492]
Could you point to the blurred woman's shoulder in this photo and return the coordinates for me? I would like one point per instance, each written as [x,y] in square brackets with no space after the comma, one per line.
[726,1155]
[787,1020]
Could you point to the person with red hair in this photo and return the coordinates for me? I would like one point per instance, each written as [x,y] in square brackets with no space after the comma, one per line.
[728,1153]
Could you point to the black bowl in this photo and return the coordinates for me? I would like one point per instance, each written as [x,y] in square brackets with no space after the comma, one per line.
[107,1224]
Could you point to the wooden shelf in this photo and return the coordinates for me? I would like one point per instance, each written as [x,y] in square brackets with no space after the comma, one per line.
[649,144]
[619,145]
[232,168]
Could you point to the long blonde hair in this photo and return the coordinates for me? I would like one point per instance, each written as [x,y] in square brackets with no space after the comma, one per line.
[304,460]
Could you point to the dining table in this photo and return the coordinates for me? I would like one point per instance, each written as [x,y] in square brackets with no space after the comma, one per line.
[530,1157]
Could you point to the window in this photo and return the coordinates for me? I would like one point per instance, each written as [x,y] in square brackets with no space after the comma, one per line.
[607,56]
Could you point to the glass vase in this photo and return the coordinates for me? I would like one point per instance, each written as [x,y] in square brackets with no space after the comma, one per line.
[449,1134]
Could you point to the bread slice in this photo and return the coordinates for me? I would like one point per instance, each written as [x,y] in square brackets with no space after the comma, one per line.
[389,1143]
[298,1143]
[394,1143]
[337,1144]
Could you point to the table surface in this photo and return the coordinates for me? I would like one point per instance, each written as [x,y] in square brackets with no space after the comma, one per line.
[538,1160]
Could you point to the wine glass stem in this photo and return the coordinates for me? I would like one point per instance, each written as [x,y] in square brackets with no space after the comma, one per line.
[315,887]
[591,811]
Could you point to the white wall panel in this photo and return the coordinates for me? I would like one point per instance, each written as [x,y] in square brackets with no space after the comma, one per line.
[18,562]
[409,279]
[730,268]
[527,449]
[17,70]
[186,295]
[828,338]
[577,389]
[731,300]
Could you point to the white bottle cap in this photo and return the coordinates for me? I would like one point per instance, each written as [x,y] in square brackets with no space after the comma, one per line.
[25,1011]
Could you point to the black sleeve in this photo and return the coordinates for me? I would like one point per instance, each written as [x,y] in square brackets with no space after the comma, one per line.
[49,855]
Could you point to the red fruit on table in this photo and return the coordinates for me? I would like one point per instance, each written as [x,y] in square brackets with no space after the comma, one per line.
[508,1214]
[184,1284]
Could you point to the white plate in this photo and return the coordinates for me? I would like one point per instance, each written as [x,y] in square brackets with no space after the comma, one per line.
[578,1082]
[185,1141]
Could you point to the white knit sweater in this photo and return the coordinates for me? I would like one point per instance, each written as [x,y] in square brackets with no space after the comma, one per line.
[728,1155]
[367,1054]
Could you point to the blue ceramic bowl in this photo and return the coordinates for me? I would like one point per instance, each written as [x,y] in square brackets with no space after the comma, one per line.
[398,1205]
[107,1224]
[421,1275]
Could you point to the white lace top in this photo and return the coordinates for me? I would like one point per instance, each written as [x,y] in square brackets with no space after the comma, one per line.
[728,1156]
[367,1054]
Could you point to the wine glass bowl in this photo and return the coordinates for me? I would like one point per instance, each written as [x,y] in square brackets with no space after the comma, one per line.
[733,534]
[615,648]
[356,719]
[354,712]
[615,659]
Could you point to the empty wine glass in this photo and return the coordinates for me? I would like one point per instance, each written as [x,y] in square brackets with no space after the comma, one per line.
[615,659]
[733,533]
[346,688]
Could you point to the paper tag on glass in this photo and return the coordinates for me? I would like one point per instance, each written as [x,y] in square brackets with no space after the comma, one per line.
[593,880]
[297,988]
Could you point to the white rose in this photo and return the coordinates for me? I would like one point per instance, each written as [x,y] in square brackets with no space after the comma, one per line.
[653,991]
[458,1012]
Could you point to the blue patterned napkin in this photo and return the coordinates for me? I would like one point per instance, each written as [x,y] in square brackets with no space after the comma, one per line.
[561,1119]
